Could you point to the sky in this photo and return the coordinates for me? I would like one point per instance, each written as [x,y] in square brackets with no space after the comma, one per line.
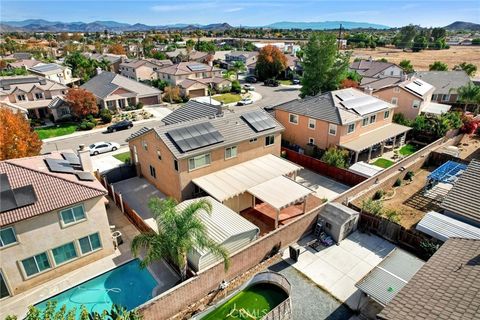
[393,13]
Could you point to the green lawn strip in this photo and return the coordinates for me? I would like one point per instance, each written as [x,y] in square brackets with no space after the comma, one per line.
[286,82]
[56,131]
[384,163]
[408,149]
[228,97]
[122,156]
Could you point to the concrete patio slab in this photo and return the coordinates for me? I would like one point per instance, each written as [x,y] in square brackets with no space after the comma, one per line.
[324,187]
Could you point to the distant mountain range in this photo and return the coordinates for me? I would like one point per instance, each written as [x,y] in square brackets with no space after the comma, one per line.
[40,25]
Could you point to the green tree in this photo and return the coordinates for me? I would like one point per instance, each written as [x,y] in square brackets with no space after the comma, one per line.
[469,95]
[179,231]
[324,67]
[420,42]
[404,39]
[438,66]
[206,46]
[238,66]
[469,68]
[407,66]
[336,157]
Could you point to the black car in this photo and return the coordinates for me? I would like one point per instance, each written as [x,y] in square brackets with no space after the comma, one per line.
[251,79]
[121,125]
[271,83]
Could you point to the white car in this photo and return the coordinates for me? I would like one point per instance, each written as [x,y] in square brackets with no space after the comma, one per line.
[248,87]
[244,102]
[102,147]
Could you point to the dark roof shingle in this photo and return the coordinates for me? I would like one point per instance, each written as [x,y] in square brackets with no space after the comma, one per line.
[190,111]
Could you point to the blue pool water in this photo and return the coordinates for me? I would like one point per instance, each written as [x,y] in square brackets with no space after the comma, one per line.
[126,285]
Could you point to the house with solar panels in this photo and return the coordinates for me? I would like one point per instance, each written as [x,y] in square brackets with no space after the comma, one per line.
[54,72]
[38,96]
[412,97]
[53,219]
[193,78]
[347,118]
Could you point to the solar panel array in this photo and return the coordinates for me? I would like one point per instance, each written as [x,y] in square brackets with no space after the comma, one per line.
[72,158]
[60,166]
[195,136]
[259,121]
[197,67]
[84,176]
[47,67]
[15,198]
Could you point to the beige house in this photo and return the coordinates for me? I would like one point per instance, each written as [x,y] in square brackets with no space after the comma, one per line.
[412,97]
[348,118]
[35,94]
[54,72]
[142,70]
[51,223]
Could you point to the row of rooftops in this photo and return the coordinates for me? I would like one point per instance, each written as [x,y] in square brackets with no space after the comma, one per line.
[27,83]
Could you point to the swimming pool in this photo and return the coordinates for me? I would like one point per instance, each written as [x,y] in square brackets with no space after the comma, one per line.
[126,285]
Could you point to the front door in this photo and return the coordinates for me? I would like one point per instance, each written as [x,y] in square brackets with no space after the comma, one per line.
[4,291]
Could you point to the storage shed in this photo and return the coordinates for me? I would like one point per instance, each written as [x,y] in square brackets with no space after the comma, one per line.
[225,227]
[338,220]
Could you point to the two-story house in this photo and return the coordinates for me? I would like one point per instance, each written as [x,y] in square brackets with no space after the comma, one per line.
[51,221]
[348,118]
[114,60]
[412,97]
[248,58]
[35,94]
[114,91]
[446,84]
[142,70]
[171,156]
[54,72]
[193,78]
[376,74]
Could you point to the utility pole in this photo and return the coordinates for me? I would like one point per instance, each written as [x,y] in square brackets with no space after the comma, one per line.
[339,41]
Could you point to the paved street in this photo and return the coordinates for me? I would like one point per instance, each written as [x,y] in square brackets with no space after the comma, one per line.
[271,96]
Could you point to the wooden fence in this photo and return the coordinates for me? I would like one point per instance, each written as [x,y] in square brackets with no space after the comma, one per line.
[338,174]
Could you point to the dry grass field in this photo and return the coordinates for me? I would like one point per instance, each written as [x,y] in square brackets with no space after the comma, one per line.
[421,60]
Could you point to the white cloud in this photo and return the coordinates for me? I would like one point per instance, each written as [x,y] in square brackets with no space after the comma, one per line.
[185,6]
[233,9]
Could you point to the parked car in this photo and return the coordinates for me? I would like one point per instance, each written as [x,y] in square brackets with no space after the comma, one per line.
[296,81]
[271,83]
[251,79]
[244,102]
[248,87]
[121,125]
[102,147]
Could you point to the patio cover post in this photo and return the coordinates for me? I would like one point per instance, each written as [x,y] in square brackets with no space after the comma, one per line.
[404,137]
[383,147]
[356,156]
[394,142]
[369,153]
[276,218]
[305,205]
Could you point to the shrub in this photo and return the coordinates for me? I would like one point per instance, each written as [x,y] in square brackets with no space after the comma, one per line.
[397,183]
[392,215]
[139,105]
[86,125]
[409,175]
[236,88]
[336,157]
[378,194]
[106,116]
[372,206]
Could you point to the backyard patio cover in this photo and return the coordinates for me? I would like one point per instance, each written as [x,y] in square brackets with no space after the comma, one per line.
[235,180]
[436,108]
[280,192]
[443,227]
[374,137]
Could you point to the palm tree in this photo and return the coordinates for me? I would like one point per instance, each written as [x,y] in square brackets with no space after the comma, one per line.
[179,231]
[238,66]
[469,94]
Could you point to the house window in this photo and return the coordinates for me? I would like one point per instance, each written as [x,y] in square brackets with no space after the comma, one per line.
[72,215]
[373,118]
[446,97]
[4,292]
[332,129]
[396,89]
[351,128]
[64,253]
[312,123]
[153,173]
[175,164]
[159,155]
[293,118]
[111,104]
[64,111]
[269,140]
[199,161]
[7,237]
[434,97]
[21,97]
[90,243]
[415,104]
[253,140]
[311,141]
[394,101]
[144,145]
[365,122]
[36,264]
[38,95]
[231,152]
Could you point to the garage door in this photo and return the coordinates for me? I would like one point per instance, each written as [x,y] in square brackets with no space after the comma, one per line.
[196,93]
[148,101]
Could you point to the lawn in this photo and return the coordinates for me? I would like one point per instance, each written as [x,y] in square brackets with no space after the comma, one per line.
[123,156]
[408,149]
[56,131]
[383,163]
[285,82]
[228,97]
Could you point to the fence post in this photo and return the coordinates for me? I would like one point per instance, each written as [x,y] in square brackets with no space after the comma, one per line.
[113,194]
[121,202]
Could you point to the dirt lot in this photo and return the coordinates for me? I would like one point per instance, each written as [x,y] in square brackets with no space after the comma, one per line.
[470,147]
[421,60]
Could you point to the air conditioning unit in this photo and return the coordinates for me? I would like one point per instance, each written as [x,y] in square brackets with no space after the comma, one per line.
[294,251]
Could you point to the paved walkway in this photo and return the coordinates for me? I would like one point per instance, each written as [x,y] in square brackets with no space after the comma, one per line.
[323,186]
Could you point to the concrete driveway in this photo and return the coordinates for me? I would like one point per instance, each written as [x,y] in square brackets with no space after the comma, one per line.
[323,186]
[339,267]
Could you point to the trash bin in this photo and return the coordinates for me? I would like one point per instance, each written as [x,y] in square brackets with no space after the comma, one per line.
[117,238]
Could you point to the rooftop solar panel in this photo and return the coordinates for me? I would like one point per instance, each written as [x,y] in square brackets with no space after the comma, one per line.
[195,136]
[60,166]
[197,67]
[72,158]
[259,120]
[84,176]
[15,198]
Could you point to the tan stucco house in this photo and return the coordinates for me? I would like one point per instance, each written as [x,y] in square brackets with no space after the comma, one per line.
[142,69]
[51,223]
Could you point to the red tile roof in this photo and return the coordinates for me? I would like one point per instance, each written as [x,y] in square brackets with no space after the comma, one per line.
[53,191]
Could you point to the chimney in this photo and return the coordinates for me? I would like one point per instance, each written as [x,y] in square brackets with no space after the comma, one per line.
[368,90]
[404,76]
[84,156]
[99,70]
